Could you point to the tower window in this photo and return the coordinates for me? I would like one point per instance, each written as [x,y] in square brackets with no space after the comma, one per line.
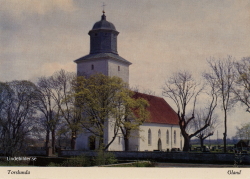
[119,68]
[92,67]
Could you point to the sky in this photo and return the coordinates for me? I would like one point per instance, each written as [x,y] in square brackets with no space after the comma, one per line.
[159,37]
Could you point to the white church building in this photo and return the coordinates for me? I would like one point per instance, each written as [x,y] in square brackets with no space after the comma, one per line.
[160,132]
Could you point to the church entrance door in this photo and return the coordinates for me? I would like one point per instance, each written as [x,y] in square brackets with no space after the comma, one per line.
[159,145]
[91,142]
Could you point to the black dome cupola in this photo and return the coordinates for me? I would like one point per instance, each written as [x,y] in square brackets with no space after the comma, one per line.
[103,37]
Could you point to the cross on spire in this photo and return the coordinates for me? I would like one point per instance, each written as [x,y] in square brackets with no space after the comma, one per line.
[103,5]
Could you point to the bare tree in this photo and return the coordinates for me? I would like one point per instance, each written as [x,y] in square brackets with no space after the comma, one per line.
[63,95]
[223,73]
[201,118]
[184,91]
[242,82]
[17,114]
[47,105]
[144,91]
[243,132]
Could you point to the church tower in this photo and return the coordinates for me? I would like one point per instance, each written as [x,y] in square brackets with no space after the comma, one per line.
[103,56]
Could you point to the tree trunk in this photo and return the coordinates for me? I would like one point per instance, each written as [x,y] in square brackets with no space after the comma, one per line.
[53,141]
[225,134]
[186,143]
[126,140]
[47,139]
[73,143]
[101,143]
[201,141]
[126,143]
[73,140]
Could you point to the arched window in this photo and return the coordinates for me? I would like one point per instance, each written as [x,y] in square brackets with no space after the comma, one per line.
[159,133]
[92,67]
[119,68]
[167,137]
[149,137]
[174,137]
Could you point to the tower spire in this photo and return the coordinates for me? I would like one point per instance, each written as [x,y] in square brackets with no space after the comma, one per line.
[103,10]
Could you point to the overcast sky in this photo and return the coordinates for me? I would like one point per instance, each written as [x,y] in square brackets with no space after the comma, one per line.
[39,37]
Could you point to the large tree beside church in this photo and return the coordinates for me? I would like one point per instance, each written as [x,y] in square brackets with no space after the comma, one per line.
[184,90]
[107,101]
[131,111]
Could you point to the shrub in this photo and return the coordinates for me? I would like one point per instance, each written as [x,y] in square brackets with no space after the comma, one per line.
[52,164]
[79,161]
[105,158]
[143,164]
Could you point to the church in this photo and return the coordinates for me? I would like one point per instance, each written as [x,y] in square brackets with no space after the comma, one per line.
[161,132]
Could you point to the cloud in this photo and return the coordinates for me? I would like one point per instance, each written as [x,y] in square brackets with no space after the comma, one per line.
[19,8]
[48,69]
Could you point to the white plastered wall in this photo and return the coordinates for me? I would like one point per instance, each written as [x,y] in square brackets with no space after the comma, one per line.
[123,73]
[100,66]
[105,66]
[139,139]
[154,127]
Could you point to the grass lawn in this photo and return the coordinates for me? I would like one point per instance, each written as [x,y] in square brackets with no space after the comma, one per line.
[135,164]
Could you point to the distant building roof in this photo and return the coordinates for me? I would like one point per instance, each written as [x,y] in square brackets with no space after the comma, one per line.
[101,56]
[160,111]
[243,143]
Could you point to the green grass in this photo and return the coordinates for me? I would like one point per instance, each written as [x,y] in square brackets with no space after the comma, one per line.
[135,164]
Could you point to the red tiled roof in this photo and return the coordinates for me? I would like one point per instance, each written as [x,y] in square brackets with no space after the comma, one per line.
[160,111]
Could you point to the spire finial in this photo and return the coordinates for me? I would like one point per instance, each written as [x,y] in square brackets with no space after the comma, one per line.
[103,5]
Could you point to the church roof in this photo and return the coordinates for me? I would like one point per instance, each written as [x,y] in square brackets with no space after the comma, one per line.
[103,24]
[160,111]
[103,55]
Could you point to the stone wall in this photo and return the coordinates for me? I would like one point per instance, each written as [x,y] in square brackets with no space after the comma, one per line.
[36,153]
[217,158]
